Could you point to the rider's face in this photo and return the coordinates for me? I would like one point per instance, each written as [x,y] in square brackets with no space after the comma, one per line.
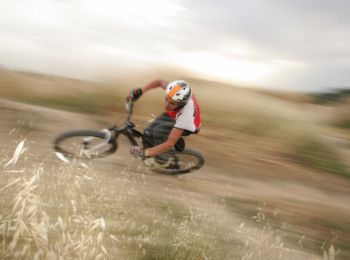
[170,105]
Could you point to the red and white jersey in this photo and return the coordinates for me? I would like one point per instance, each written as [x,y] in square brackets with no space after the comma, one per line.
[188,117]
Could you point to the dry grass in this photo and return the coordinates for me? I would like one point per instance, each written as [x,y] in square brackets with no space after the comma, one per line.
[65,210]
[29,230]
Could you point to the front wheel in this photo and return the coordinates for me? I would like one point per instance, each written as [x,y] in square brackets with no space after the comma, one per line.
[85,144]
[180,162]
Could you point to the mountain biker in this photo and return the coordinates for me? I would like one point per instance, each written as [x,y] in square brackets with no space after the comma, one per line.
[180,118]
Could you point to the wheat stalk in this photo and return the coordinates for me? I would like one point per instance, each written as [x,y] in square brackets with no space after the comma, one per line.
[19,150]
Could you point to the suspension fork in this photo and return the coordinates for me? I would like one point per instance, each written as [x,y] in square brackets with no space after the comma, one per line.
[108,136]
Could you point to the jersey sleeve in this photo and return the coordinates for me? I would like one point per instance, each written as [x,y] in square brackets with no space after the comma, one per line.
[186,118]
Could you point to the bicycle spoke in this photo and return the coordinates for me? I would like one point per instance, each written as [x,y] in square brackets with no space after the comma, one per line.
[85,147]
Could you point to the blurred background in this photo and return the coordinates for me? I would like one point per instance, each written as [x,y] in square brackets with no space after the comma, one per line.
[273,82]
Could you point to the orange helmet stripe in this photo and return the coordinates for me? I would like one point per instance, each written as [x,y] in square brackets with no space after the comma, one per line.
[175,89]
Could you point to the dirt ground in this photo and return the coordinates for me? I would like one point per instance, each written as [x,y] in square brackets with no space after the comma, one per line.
[309,208]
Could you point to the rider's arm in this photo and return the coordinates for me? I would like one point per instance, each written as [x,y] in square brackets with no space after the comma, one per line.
[173,137]
[155,84]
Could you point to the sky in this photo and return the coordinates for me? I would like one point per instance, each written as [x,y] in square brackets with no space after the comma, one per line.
[300,45]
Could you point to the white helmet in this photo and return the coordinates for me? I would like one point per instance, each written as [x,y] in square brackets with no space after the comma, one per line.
[179,91]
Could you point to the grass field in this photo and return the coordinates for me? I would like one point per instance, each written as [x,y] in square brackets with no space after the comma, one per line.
[275,184]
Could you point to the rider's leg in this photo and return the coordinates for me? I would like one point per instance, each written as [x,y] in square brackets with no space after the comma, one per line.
[157,132]
[161,132]
[160,135]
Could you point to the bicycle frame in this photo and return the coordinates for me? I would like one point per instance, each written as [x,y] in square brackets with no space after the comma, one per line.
[128,128]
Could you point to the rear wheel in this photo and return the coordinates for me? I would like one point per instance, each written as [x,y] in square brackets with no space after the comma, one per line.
[180,162]
[85,144]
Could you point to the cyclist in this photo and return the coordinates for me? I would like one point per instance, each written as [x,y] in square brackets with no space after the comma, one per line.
[181,118]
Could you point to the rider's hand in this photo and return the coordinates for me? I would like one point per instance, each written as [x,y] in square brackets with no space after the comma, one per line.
[137,151]
[135,94]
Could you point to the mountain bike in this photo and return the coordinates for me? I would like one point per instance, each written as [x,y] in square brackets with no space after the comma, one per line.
[91,144]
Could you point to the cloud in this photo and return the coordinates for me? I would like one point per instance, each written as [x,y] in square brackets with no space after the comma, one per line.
[304,32]
[273,43]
